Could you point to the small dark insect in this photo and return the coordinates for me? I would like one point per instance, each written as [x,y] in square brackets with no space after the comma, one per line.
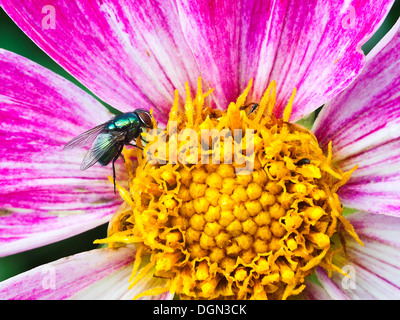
[303,161]
[253,108]
[108,139]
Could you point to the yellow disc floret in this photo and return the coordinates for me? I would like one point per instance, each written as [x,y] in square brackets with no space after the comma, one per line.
[246,211]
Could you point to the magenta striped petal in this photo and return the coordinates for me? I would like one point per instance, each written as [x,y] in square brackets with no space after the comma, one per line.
[314,291]
[334,291]
[366,131]
[97,274]
[374,268]
[129,53]
[311,45]
[212,29]
[44,197]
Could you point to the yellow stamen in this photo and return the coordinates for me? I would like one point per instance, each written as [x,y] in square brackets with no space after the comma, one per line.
[142,274]
[272,98]
[151,292]
[288,110]
[189,109]
[242,98]
[138,260]
[266,100]
[173,113]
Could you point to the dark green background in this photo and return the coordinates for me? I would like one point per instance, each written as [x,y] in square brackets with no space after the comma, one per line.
[13,39]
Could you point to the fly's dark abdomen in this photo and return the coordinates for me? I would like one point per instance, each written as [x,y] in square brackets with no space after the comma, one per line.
[108,157]
[101,141]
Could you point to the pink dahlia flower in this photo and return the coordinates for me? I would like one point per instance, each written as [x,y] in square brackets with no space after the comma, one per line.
[134,54]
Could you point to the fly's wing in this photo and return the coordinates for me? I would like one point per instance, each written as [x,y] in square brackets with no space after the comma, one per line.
[85,138]
[104,143]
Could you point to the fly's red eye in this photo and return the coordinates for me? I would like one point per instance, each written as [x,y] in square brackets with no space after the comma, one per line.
[145,117]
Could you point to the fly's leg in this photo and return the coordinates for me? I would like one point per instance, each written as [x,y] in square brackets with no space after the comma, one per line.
[143,139]
[134,145]
[113,165]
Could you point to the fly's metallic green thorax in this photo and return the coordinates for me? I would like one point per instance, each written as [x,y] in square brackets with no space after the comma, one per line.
[124,121]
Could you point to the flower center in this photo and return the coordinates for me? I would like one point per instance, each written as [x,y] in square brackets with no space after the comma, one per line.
[247,211]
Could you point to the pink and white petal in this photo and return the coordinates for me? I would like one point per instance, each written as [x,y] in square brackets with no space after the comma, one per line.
[375,185]
[130,54]
[212,29]
[314,46]
[314,291]
[97,274]
[374,268]
[334,291]
[115,286]
[363,123]
[44,197]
